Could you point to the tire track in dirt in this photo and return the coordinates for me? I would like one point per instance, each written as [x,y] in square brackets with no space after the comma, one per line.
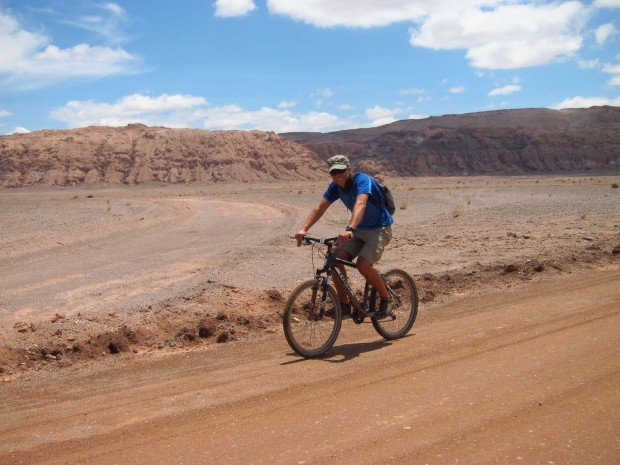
[486,382]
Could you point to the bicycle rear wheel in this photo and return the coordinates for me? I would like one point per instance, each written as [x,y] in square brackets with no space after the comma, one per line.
[309,332]
[406,307]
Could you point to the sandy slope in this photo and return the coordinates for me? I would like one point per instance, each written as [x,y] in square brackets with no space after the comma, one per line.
[92,270]
[518,376]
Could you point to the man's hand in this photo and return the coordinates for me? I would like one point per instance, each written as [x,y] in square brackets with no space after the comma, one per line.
[344,237]
[300,235]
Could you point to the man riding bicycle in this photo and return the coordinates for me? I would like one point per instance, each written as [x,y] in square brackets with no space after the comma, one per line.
[369,229]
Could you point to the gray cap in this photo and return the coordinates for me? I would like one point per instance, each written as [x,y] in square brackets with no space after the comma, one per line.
[338,162]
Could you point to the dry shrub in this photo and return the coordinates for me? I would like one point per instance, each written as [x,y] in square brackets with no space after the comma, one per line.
[457,211]
[614,185]
[404,204]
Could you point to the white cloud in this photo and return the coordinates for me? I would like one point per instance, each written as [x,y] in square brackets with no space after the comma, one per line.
[231,8]
[585,102]
[350,13]
[4,113]
[412,91]
[28,60]
[497,34]
[589,64]
[109,24]
[614,70]
[191,111]
[325,92]
[171,110]
[345,107]
[457,90]
[607,3]
[18,130]
[270,119]
[287,104]
[414,116]
[603,32]
[506,90]
[380,115]
[506,37]
[424,99]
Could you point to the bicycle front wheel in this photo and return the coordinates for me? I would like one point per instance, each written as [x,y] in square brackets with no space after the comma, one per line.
[309,331]
[406,306]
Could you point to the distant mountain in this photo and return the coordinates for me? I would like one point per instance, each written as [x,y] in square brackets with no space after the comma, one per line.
[494,142]
[138,154]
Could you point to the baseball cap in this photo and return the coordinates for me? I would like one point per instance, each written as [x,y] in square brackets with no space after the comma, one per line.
[337,162]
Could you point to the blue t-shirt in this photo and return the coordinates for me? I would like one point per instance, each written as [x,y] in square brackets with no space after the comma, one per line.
[376,215]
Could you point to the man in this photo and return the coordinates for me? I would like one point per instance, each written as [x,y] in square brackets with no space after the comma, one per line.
[369,229]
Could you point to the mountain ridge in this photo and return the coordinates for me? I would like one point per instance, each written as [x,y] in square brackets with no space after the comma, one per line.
[515,141]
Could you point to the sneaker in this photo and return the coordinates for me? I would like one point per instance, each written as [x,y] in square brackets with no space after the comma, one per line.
[385,308]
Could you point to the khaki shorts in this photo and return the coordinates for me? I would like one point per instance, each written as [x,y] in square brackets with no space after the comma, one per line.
[368,244]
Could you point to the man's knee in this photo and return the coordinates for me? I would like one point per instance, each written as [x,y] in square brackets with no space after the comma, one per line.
[342,254]
[363,264]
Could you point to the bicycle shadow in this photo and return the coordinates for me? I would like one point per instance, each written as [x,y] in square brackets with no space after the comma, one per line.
[345,352]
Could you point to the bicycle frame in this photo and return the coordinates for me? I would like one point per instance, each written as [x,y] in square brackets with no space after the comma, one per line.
[369,301]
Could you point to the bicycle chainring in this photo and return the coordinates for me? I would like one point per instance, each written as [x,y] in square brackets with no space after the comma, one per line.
[357,317]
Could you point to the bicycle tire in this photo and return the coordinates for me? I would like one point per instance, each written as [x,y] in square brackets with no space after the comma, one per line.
[402,284]
[303,323]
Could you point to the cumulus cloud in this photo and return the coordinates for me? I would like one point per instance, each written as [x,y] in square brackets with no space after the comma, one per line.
[457,90]
[171,110]
[585,102]
[231,8]
[506,90]
[507,36]
[270,119]
[589,64]
[18,130]
[4,113]
[607,3]
[496,34]
[28,60]
[191,111]
[603,32]
[349,13]
[614,70]
[287,104]
[379,116]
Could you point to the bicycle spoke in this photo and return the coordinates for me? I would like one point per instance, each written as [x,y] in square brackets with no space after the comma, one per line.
[307,332]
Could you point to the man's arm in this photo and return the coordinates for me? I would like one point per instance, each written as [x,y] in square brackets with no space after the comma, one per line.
[358,210]
[313,217]
[356,217]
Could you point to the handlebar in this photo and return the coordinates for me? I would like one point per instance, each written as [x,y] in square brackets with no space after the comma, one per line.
[307,240]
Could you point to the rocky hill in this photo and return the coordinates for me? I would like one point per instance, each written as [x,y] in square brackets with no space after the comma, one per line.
[138,154]
[495,142]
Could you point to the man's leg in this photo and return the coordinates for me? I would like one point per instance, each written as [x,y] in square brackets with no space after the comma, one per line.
[342,294]
[372,276]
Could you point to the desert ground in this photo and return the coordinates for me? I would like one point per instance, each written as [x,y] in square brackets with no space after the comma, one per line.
[141,324]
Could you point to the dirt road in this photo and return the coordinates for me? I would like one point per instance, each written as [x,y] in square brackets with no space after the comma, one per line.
[131,267]
[528,375]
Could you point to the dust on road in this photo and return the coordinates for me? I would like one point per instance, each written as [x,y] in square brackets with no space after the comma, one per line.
[526,375]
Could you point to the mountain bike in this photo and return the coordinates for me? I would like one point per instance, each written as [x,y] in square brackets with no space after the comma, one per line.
[313,315]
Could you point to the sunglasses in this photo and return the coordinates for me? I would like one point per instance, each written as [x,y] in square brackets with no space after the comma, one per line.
[337,172]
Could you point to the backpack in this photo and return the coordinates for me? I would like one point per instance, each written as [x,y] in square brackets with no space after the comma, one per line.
[388,199]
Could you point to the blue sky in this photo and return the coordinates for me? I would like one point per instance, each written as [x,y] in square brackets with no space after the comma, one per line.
[298,65]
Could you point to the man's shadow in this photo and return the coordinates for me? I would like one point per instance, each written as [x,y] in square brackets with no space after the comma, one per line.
[344,352]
